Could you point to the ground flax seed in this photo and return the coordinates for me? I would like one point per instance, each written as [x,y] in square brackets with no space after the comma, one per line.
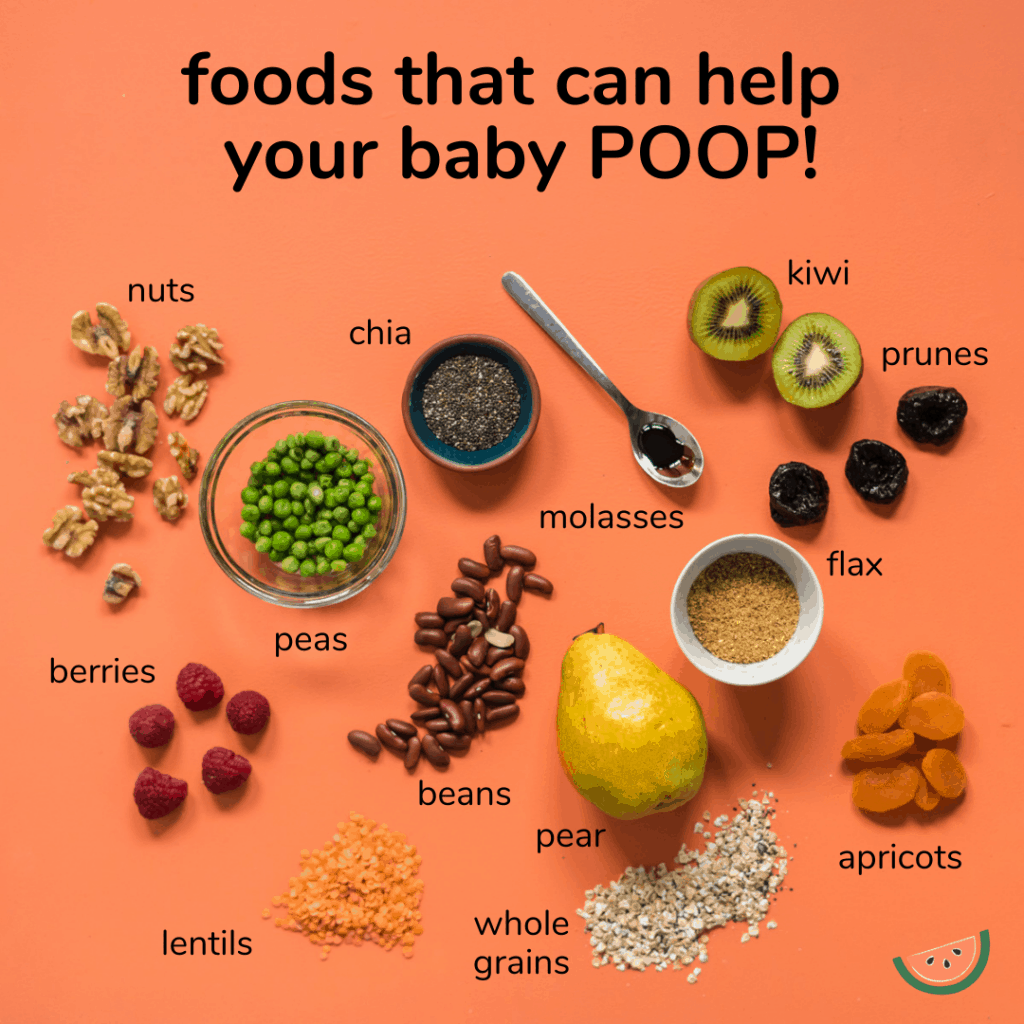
[743,608]
[660,918]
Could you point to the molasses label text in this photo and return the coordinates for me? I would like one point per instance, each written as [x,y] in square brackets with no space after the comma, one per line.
[606,519]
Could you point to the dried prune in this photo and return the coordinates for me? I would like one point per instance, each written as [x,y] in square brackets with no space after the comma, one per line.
[931,415]
[878,746]
[935,716]
[876,789]
[877,472]
[942,768]
[884,706]
[797,494]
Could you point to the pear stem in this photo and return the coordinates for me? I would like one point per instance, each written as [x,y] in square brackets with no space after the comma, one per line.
[599,628]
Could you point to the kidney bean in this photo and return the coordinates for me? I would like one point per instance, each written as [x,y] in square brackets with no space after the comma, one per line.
[479,687]
[422,695]
[448,663]
[492,604]
[364,742]
[522,648]
[468,719]
[492,554]
[478,651]
[401,728]
[429,620]
[436,725]
[480,715]
[452,625]
[512,684]
[461,639]
[474,670]
[430,637]
[451,711]
[473,568]
[506,616]
[538,584]
[468,588]
[497,697]
[423,676]
[433,753]
[495,654]
[482,617]
[422,715]
[449,741]
[507,667]
[508,713]
[521,556]
[514,583]
[461,685]
[390,740]
[475,626]
[440,681]
[454,607]
[412,755]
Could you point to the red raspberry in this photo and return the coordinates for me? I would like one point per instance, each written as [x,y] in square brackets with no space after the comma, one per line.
[248,712]
[152,726]
[157,794]
[224,770]
[199,687]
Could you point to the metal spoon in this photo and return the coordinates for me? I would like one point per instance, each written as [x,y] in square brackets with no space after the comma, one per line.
[681,466]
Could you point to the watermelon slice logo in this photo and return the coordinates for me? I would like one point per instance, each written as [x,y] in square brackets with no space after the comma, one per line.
[946,969]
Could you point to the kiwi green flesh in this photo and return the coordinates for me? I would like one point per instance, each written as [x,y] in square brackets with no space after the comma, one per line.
[735,315]
[816,361]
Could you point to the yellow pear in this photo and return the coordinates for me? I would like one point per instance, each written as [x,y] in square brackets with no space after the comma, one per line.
[630,738]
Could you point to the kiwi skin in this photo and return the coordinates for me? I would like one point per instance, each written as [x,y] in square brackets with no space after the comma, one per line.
[809,398]
[735,354]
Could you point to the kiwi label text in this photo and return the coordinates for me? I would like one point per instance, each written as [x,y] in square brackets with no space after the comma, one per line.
[841,564]
[812,275]
[284,642]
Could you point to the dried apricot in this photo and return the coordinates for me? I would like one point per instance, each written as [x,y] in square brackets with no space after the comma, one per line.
[942,768]
[884,706]
[876,789]
[878,746]
[925,797]
[926,673]
[935,716]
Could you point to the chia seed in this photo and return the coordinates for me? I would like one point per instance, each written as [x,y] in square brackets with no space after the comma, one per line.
[471,402]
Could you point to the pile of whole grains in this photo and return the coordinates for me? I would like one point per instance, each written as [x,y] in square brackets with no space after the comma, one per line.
[361,885]
[660,917]
[471,402]
[743,608]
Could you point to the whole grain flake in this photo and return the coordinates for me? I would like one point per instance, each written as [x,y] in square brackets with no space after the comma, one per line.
[659,918]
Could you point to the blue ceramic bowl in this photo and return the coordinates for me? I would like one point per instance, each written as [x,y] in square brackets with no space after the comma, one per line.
[471,345]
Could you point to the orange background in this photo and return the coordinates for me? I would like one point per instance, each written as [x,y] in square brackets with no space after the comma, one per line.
[111,178]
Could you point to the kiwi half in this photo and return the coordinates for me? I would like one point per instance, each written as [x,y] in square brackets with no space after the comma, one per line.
[816,361]
[735,315]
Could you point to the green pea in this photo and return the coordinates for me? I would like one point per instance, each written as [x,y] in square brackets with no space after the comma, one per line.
[250,513]
[369,531]
[300,440]
[364,489]
[299,549]
[298,508]
[272,469]
[290,564]
[339,565]
[265,504]
[360,467]
[360,516]
[356,500]
[303,532]
[323,566]
[341,533]
[331,459]
[306,519]
[351,454]
[297,490]
[290,440]
[262,544]
[305,465]
[280,488]
[333,548]
[315,439]
[266,528]
[274,555]
[291,524]
[248,530]
[333,444]
[344,470]
[307,476]
[290,466]
[321,466]
[367,478]
[325,480]
[256,469]
[330,499]
[281,541]
[268,489]
[353,552]
[253,481]
[308,567]
[322,528]
[320,543]
[250,496]
[316,494]
[374,503]
[325,514]
[282,508]
[341,514]
[309,506]
[281,447]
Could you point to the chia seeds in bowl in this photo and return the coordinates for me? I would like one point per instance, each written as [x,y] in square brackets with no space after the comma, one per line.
[471,402]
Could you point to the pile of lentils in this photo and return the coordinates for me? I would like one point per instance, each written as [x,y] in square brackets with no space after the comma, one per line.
[309,505]
[471,402]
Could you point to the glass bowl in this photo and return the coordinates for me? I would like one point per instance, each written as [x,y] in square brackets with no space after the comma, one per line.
[227,473]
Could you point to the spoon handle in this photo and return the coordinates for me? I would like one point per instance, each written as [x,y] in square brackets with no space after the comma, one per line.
[533,305]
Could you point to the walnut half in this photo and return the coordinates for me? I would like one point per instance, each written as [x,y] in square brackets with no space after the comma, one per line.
[107,501]
[80,423]
[109,336]
[125,463]
[123,579]
[195,347]
[169,498]
[70,532]
[187,458]
[186,396]
[136,374]
[127,426]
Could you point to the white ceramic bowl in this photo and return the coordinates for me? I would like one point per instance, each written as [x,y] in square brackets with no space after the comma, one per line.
[812,611]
